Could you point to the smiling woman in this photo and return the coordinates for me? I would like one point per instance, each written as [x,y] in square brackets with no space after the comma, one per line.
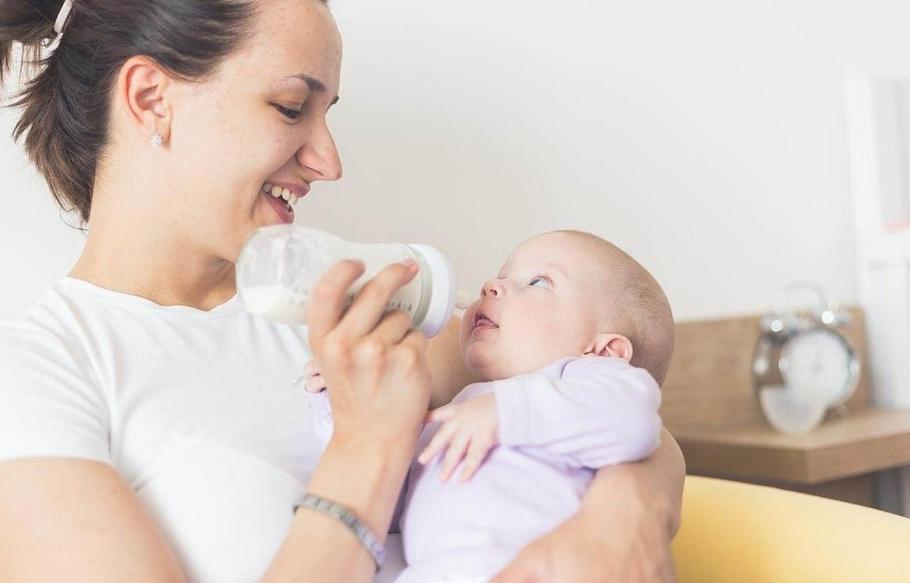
[151,429]
[174,129]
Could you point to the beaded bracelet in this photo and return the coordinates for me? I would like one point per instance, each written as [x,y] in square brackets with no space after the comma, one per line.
[349,519]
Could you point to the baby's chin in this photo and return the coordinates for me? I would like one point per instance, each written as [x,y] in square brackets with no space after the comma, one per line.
[489,364]
[485,362]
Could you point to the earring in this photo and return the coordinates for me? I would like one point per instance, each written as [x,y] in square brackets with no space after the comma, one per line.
[157,140]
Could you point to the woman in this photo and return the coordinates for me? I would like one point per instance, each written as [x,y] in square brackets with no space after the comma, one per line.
[153,430]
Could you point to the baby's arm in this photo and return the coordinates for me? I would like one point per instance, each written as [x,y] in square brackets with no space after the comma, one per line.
[600,412]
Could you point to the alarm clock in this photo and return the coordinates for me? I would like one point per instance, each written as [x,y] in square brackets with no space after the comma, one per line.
[803,365]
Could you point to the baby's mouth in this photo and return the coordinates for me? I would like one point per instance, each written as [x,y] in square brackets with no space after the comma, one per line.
[482,321]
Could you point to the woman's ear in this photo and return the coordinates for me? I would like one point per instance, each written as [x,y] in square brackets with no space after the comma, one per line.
[610,345]
[142,89]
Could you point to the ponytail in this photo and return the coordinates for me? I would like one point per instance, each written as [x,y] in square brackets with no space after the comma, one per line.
[65,119]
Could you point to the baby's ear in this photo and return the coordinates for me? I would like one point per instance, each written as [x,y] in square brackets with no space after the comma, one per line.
[611,345]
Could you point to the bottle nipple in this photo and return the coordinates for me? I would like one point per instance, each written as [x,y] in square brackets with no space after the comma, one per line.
[463,299]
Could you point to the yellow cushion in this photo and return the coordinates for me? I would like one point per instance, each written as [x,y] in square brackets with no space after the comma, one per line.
[740,533]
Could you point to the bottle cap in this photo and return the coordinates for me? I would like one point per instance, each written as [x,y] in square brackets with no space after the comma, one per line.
[442,299]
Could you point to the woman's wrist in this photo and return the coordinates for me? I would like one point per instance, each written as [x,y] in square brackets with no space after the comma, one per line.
[365,475]
[362,475]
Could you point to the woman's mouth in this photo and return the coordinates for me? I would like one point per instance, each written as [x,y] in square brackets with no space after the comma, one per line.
[282,200]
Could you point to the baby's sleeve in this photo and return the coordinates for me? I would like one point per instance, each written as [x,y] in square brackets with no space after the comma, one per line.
[321,409]
[50,403]
[598,412]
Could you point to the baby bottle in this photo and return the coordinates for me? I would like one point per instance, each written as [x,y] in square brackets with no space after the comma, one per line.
[280,264]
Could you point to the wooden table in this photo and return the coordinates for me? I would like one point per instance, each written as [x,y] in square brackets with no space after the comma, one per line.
[838,459]
[868,441]
[710,406]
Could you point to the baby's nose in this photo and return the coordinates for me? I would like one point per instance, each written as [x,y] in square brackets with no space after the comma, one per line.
[492,287]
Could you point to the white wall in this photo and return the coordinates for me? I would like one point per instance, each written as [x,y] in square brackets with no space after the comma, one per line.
[706,137]
[36,246]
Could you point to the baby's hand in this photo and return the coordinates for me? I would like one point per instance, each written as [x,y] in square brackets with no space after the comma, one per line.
[470,429]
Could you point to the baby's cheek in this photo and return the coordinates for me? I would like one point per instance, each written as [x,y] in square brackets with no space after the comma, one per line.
[538,330]
[540,344]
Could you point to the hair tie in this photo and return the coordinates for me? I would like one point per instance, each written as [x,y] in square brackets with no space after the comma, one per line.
[59,26]
[63,16]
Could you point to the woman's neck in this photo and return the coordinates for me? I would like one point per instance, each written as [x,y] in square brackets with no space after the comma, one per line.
[143,264]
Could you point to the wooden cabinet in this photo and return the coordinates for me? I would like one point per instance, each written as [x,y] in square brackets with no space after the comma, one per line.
[710,407]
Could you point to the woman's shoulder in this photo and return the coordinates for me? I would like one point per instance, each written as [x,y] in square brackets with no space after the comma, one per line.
[46,348]
[52,404]
[50,324]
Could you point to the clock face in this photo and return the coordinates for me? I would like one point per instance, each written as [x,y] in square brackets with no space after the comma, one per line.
[788,415]
[819,366]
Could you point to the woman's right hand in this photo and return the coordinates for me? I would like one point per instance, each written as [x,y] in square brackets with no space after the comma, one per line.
[374,364]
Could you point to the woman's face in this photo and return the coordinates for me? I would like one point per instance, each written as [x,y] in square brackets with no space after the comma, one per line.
[259,120]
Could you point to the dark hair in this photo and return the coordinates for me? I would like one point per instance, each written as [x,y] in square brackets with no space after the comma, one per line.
[67,104]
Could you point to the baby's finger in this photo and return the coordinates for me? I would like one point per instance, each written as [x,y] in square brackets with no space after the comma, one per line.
[476,454]
[454,455]
[443,413]
[437,444]
[315,384]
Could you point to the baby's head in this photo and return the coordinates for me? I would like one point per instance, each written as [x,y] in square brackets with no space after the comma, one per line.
[567,293]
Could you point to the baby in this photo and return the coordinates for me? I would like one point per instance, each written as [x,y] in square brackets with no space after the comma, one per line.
[572,339]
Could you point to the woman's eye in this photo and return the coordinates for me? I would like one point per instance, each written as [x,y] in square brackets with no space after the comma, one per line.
[536,280]
[287,112]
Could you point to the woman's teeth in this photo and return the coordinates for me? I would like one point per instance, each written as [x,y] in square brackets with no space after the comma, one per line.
[279,192]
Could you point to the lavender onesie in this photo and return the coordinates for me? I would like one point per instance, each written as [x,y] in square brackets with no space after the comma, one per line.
[557,426]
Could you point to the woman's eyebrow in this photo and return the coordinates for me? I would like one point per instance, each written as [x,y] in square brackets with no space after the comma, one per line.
[315,85]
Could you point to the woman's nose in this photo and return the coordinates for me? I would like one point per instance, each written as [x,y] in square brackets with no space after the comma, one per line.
[492,288]
[321,156]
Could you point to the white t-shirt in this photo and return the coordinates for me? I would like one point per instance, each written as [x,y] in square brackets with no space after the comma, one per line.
[202,413]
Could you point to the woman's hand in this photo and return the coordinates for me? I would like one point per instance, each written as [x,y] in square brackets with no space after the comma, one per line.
[377,378]
[374,365]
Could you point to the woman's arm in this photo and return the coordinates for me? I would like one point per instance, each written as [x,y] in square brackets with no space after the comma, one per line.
[364,476]
[447,370]
[375,368]
[76,520]
[654,485]
[621,534]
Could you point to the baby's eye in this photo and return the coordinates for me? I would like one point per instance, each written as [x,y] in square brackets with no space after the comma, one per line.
[536,280]
[287,112]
